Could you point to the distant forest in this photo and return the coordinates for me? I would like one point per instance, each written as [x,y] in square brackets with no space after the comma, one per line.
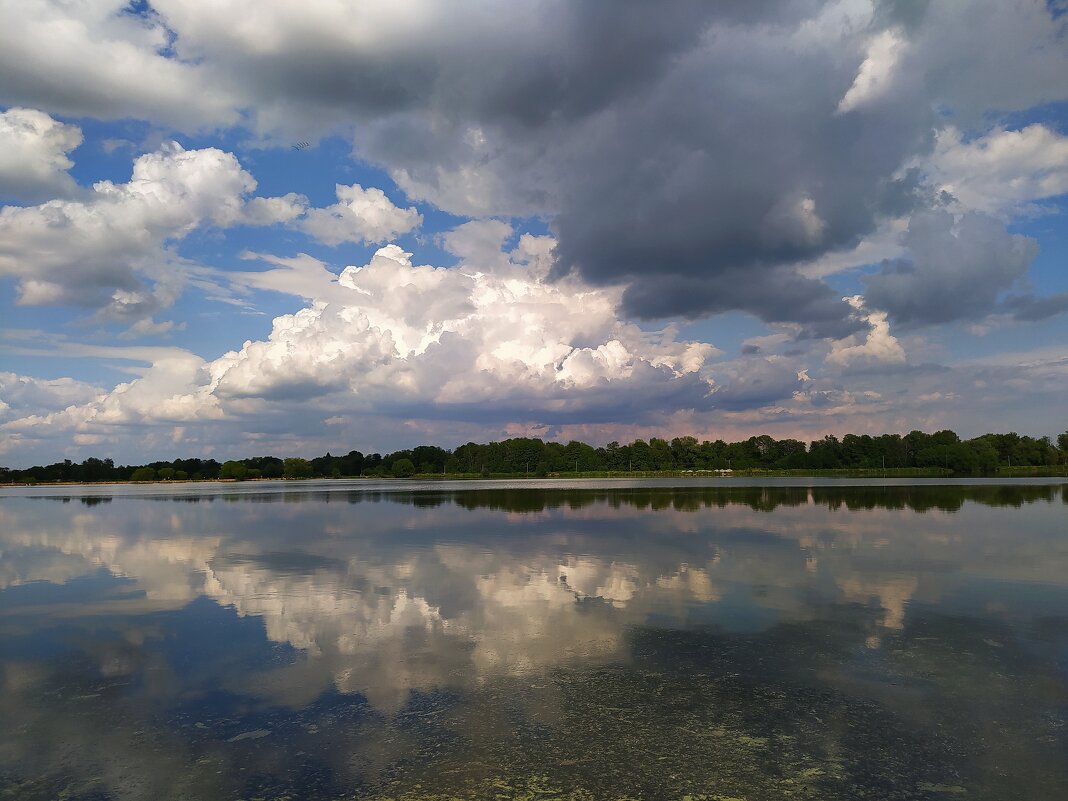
[941,452]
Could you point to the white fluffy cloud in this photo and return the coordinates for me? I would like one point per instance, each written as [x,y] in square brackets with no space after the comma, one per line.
[1002,172]
[166,392]
[98,59]
[33,154]
[876,73]
[391,332]
[112,248]
[360,215]
[877,345]
[391,337]
[22,395]
[108,249]
[272,210]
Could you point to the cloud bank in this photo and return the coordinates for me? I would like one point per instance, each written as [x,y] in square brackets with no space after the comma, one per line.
[696,153]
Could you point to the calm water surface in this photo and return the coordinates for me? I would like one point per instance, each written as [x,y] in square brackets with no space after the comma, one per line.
[582,641]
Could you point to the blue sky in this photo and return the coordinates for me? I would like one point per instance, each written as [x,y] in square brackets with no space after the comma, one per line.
[238,229]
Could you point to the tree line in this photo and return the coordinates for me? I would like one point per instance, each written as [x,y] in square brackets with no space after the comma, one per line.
[942,450]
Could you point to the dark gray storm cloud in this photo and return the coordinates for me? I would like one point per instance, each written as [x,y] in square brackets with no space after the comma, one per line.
[956,271]
[694,150]
[736,168]
[752,383]
[698,151]
[770,293]
[1028,308]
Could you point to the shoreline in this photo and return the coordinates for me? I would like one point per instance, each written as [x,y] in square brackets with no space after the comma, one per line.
[1054,471]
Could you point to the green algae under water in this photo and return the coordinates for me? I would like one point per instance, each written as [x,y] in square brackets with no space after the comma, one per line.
[813,643]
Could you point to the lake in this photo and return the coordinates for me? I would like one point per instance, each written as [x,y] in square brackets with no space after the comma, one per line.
[721,639]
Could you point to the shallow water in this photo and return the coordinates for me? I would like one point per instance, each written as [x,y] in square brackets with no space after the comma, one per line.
[600,639]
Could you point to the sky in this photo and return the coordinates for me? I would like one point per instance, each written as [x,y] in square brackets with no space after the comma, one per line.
[241,228]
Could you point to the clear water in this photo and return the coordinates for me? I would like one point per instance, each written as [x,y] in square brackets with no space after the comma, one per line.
[854,640]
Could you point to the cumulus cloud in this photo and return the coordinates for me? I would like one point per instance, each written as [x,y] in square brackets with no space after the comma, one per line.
[274,210]
[99,60]
[1001,175]
[391,333]
[394,338]
[360,215]
[877,345]
[22,395]
[107,250]
[876,72]
[113,248]
[955,270]
[480,241]
[33,155]
[1004,171]
[165,392]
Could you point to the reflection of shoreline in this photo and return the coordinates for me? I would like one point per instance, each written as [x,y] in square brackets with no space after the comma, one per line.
[677,479]
[914,497]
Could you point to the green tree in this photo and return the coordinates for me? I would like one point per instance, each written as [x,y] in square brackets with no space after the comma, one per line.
[660,454]
[166,473]
[403,468]
[233,470]
[143,474]
[639,456]
[984,457]
[684,452]
[295,467]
